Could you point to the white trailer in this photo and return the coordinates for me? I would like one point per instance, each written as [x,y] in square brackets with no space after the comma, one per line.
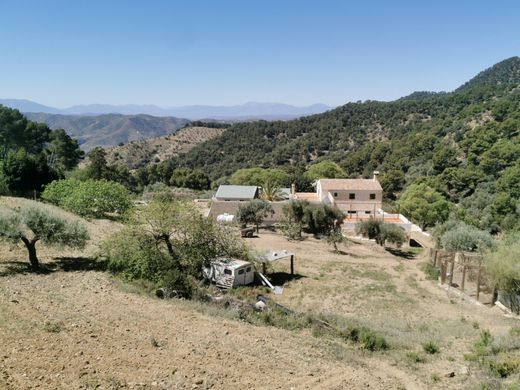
[227,273]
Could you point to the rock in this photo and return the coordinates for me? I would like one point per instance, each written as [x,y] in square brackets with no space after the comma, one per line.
[450,375]
[199,381]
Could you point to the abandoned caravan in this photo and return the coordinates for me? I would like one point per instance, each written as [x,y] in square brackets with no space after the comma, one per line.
[227,272]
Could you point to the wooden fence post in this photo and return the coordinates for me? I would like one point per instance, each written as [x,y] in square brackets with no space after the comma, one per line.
[478,279]
[452,267]
[443,271]
[435,254]
[463,277]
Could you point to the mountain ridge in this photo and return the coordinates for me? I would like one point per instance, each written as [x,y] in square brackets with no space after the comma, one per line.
[249,110]
[110,129]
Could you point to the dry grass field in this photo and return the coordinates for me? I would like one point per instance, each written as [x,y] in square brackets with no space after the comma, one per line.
[77,326]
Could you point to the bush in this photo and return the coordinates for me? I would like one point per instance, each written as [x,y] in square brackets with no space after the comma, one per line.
[503,269]
[90,198]
[431,272]
[381,231]
[168,243]
[467,238]
[367,338]
[430,348]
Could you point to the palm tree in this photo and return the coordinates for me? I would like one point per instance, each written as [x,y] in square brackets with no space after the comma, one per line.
[271,192]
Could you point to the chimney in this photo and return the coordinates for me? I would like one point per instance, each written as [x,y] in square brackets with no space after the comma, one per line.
[376,173]
[293,189]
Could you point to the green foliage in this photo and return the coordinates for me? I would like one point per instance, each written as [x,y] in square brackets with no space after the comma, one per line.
[292,230]
[462,237]
[31,155]
[367,338]
[271,192]
[380,231]
[391,233]
[316,218]
[254,212]
[90,198]
[430,347]
[431,272]
[335,238]
[189,178]
[424,205]
[260,176]
[325,169]
[503,268]
[168,243]
[63,151]
[39,223]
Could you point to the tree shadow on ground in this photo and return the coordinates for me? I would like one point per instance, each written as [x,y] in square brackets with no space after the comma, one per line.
[405,254]
[60,264]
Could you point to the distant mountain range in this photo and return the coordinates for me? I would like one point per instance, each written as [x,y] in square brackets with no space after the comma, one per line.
[109,129]
[247,111]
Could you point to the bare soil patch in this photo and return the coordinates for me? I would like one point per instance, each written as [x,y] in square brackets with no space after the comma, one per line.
[79,327]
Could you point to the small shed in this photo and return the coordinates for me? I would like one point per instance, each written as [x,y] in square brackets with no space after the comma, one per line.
[275,255]
[227,272]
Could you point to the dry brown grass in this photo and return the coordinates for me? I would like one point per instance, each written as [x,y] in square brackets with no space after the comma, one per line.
[77,327]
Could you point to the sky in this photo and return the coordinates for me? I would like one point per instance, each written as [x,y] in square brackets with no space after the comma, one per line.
[225,52]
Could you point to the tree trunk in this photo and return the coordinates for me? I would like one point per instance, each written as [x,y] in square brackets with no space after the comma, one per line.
[31,248]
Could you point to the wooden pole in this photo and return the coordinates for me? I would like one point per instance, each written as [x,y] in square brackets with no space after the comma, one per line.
[443,271]
[264,268]
[495,295]
[463,277]
[292,264]
[452,266]
[435,253]
[478,280]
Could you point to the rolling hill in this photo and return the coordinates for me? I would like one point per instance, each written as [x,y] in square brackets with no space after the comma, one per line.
[421,123]
[138,153]
[110,129]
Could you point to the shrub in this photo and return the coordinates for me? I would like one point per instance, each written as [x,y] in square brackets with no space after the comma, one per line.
[168,243]
[431,272]
[367,338]
[90,198]
[381,231]
[416,357]
[504,367]
[468,238]
[430,347]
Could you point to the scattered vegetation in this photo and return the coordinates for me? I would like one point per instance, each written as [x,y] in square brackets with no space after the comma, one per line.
[430,347]
[89,198]
[39,223]
[381,231]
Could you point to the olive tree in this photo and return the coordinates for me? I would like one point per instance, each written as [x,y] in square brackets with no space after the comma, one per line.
[462,237]
[254,212]
[39,223]
[381,231]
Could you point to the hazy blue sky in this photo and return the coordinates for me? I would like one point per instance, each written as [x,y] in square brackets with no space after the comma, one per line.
[228,52]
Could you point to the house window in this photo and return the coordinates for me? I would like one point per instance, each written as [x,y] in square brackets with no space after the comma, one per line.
[335,194]
[240,271]
[368,212]
[352,196]
[372,196]
[352,211]
[228,272]
[248,269]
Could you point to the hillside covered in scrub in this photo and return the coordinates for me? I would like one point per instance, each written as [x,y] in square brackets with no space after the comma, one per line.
[465,144]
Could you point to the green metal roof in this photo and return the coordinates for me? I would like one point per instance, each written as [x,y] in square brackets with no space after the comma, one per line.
[236,192]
